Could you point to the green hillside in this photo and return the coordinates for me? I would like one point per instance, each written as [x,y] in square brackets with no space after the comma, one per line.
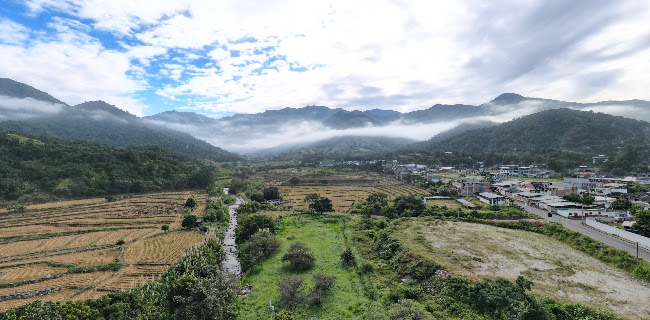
[37,169]
[559,138]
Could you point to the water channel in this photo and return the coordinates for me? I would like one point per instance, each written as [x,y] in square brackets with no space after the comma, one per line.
[231,262]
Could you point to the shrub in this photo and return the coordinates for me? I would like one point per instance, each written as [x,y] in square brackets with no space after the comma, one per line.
[120,242]
[348,258]
[299,256]
[257,248]
[164,227]
[408,310]
[291,289]
[366,267]
[284,315]
[189,221]
[322,284]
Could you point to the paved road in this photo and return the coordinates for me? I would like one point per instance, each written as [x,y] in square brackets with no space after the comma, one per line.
[576,225]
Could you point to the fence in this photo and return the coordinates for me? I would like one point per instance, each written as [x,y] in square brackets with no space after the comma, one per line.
[643,241]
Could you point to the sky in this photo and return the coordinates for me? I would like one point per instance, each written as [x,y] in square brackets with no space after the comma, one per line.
[218,58]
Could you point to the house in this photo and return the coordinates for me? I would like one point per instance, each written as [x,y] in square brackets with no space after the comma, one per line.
[492,199]
[472,187]
[601,158]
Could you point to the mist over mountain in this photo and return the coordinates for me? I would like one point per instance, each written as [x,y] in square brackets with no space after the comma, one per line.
[274,131]
[337,149]
[95,121]
[557,138]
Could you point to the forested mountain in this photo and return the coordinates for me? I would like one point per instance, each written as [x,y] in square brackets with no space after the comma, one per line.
[41,168]
[101,122]
[343,148]
[16,89]
[558,138]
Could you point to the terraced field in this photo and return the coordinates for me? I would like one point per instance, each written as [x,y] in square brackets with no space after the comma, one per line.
[45,250]
[344,190]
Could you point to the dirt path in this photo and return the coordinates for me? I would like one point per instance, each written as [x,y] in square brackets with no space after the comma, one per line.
[231,262]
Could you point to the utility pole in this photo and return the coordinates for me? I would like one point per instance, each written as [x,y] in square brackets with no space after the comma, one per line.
[272,308]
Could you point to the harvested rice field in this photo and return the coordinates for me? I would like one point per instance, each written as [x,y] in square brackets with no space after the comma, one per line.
[41,247]
[344,190]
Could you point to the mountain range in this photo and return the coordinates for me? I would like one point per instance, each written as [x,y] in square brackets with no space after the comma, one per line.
[319,131]
[95,121]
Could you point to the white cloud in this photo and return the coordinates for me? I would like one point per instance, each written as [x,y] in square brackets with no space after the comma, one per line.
[12,33]
[403,55]
[73,68]
[12,108]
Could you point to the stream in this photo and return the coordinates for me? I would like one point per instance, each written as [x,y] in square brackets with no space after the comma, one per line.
[231,262]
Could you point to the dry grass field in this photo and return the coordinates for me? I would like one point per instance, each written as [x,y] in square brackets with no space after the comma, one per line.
[42,245]
[557,270]
[344,190]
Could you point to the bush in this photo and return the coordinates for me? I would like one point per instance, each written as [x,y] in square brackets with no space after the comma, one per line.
[299,256]
[120,242]
[284,315]
[408,310]
[164,227]
[189,221]
[322,284]
[291,289]
[253,223]
[257,248]
[348,258]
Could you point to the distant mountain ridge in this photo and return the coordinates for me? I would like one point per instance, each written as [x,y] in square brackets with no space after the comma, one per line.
[339,148]
[98,121]
[560,138]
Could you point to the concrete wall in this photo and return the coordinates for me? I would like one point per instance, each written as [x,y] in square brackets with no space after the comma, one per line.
[633,237]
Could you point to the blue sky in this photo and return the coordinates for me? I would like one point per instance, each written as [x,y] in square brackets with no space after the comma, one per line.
[223,57]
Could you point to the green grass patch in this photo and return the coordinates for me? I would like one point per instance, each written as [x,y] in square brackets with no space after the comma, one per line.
[324,235]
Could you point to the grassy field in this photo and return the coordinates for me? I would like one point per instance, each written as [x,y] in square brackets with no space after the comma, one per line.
[47,245]
[557,270]
[324,236]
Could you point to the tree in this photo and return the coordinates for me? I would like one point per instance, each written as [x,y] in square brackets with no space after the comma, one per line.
[348,258]
[164,227]
[642,219]
[291,289]
[321,205]
[190,203]
[621,204]
[189,221]
[312,197]
[271,193]
[257,197]
[251,224]
[322,284]
[299,256]
[294,181]
[378,198]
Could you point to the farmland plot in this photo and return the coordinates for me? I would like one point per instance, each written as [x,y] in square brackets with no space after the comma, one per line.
[41,248]
[344,190]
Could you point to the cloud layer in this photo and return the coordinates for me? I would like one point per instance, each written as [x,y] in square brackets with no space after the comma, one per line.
[220,57]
